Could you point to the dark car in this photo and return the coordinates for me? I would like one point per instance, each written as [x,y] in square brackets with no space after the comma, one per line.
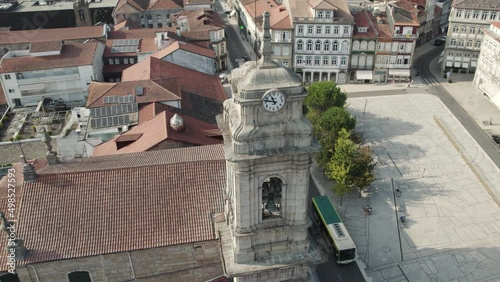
[246,58]
[496,138]
[440,41]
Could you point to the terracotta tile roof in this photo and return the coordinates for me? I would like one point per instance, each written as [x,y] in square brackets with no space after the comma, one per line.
[299,8]
[279,15]
[172,206]
[155,131]
[203,19]
[191,81]
[138,33]
[482,4]
[362,19]
[39,35]
[405,13]
[123,6]
[72,54]
[197,2]
[496,24]
[44,46]
[186,46]
[145,45]
[340,6]
[3,98]
[153,91]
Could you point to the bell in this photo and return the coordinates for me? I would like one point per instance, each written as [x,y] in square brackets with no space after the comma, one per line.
[270,206]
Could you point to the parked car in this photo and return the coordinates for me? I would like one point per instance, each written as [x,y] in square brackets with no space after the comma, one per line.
[246,58]
[496,138]
[440,41]
[223,77]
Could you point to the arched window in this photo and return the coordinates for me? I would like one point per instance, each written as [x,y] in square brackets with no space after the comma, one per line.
[345,46]
[363,46]
[271,198]
[300,45]
[318,45]
[355,46]
[309,45]
[335,46]
[326,45]
[79,276]
[371,46]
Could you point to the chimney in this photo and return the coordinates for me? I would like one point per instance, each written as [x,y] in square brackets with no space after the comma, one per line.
[177,123]
[178,31]
[29,172]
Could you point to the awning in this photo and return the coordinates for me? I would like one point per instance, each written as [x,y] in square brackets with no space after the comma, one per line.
[364,74]
[399,72]
[457,64]
[473,63]
[465,65]
[449,64]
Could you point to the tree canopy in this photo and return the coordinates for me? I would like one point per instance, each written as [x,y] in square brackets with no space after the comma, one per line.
[323,96]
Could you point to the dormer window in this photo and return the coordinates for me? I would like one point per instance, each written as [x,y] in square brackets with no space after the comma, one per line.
[362,29]
[328,15]
[320,14]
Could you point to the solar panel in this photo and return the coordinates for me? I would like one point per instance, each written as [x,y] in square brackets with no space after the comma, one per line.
[125,42]
[124,49]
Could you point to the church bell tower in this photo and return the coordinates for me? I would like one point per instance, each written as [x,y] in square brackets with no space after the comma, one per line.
[268,148]
[82,13]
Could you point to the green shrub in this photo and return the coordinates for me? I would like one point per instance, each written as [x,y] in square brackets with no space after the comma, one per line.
[33,127]
[11,139]
[18,137]
[49,133]
[1,125]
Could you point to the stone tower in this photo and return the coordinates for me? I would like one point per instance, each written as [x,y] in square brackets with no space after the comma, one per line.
[82,13]
[268,147]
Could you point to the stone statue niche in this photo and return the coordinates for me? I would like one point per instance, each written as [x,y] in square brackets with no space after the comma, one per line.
[271,198]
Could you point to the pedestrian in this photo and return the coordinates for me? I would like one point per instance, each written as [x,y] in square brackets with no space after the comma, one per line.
[408,86]
[411,82]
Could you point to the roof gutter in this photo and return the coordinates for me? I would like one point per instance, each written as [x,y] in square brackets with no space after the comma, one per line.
[36,274]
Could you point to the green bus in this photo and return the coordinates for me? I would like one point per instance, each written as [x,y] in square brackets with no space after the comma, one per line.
[340,240]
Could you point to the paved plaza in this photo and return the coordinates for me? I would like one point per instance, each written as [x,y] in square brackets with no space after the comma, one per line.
[449,195]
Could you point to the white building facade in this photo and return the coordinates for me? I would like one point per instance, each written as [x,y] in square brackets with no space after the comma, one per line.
[27,86]
[487,76]
[322,46]
[465,34]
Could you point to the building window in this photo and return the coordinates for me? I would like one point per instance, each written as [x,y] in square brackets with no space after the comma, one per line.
[475,14]
[7,76]
[79,276]
[458,14]
[399,61]
[472,30]
[335,46]
[343,61]
[335,30]
[300,29]
[328,14]
[309,29]
[271,198]
[469,43]
[285,63]
[401,46]
[453,42]
[325,61]
[334,61]
[493,15]
[125,61]
[158,17]
[317,60]
[318,30]
[480,31]
[150,25]
[318,45]
[222,49]
[299,60]
[111,62]
[132,61]
[117,61]
[276,51]
[345,47]
[484,15]
[308,60]
[467,14]
[300,45]
[463,29]
[326,46]
[117,79]
[455,28]
[346,30]
[461,43]
[328,29]
[320,14]
[478,44]
[309,45]
[286,50]
[160,25]
[12,91]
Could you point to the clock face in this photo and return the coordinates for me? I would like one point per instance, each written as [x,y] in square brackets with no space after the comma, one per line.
[273,101]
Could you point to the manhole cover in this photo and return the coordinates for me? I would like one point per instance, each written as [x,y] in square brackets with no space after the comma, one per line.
[386,249]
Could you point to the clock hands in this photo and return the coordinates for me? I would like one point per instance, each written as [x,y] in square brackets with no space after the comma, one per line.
[272,101]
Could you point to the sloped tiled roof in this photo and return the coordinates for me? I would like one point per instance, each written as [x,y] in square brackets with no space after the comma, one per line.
[72,54]
[144,5]
[39,35]
[340,6]
[186,46]
[203,19]
[279,14]
[45,46]
[121,203]
[153,91]
[157,130]
[479,4]
[299,8]
[191,81]
[362,19]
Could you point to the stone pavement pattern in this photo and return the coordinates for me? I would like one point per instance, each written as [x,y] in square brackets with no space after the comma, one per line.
[453,225]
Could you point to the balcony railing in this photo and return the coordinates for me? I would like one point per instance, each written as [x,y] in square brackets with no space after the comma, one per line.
[409,36]
[317,20]
[48,78]
[47,92]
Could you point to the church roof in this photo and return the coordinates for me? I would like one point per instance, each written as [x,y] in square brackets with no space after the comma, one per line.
[118,203]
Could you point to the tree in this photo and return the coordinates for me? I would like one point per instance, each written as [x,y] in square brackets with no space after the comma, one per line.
[323,96]
[351,165]
[327,129]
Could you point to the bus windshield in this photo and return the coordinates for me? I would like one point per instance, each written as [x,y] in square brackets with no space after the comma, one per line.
[347,255]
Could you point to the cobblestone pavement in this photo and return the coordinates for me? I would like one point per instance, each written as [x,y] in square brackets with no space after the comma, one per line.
[33,150]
